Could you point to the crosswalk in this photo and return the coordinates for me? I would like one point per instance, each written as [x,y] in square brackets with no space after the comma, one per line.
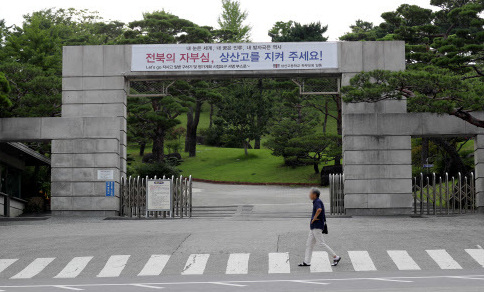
[403,260]
[74,268]
[155,265]
[237,263]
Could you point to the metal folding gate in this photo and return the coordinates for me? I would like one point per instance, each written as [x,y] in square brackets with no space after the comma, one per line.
[434,195]
[133,198]
[337,194]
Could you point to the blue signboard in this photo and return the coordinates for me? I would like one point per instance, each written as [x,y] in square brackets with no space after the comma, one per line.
[109,189]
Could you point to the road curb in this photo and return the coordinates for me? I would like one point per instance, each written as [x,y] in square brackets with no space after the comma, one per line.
[253,183]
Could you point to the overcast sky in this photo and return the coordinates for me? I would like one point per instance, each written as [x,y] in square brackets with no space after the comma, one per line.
[338,14]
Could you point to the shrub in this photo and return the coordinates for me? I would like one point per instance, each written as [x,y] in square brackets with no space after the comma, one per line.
[212,136]
[156,169]
[173,146]
[173,159]
[35,205]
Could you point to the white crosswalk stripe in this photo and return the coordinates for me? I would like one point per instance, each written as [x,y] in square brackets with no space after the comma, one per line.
[279,263]
[196,264]
[114,266]
[74,268]
[476,254]
[361,261]
[403,260]
[238,263]
[320,262]
[443,259]
[5,263]
[155,265]
[34,268]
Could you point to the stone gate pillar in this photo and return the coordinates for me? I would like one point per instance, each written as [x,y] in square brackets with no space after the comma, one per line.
[479,171]
[377,165]
[93,87]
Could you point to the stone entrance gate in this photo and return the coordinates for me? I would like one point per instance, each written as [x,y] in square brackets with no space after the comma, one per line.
[89,140]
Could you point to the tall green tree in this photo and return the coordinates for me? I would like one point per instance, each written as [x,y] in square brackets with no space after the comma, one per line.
[361,31]
[4,91]
[246,111]
[160,27]
[293,136]
[232,22]
[445,61]
[196,93]
[437,44]
[313,32]
[31,56]
[296,32]
[314,149]
[158,116]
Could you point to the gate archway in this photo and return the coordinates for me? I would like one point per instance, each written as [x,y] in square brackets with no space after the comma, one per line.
[89,140]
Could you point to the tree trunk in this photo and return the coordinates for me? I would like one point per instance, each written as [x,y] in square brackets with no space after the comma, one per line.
[158,149]
[339,127]
[326,112]
[299,113]
[257,143]
[246,147]
[425,150]
[192,137]
[257,138]
[316,167]
[339,122]
[211,115]
[189,129]
[159,145]
[457,164]
[142,147]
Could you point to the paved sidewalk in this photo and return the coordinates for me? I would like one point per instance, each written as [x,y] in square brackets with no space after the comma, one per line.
[265,234]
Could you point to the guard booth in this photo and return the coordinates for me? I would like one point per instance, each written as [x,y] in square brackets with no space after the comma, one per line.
[14,158]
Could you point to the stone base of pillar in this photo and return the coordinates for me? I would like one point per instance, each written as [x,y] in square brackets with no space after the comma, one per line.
[379,211]
[77,213]
[480,210]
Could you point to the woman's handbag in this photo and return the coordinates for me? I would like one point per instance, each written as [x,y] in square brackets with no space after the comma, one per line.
[325,228]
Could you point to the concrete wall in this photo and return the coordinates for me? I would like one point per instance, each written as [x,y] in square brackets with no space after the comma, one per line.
[378,168]
[80,146]
[16,207]
[377,154]
[93,87]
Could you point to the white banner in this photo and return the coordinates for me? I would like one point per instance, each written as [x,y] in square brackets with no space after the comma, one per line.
[243,56]
[158,195]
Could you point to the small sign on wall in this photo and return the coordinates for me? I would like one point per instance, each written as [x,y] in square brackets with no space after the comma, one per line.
[110,189]
[105,174]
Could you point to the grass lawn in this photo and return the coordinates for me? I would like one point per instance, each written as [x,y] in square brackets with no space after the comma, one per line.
[230,164]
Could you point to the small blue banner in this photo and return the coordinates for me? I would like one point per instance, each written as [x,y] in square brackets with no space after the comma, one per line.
[109,189]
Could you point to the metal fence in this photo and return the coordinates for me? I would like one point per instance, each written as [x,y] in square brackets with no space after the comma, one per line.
[437,195]
[337,194]
[133,198]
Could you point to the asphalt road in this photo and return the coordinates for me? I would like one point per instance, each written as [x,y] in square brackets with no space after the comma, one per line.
[421,281]
[242,238]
